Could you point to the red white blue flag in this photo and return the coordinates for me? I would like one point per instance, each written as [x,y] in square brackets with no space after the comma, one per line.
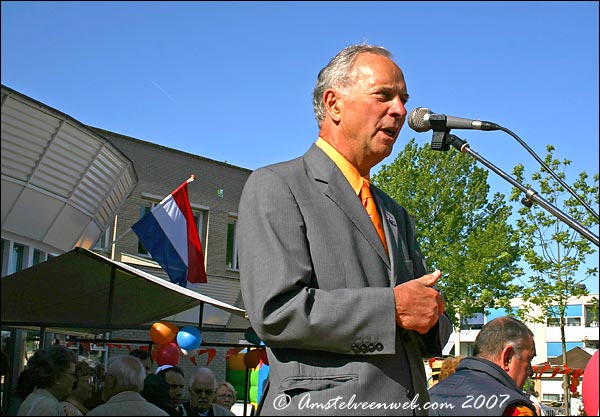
[170,234]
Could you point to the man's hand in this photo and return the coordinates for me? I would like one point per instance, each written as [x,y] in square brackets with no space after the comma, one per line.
[418,305]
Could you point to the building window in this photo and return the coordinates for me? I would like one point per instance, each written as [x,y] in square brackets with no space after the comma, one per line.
[38,256]
[17,260]
[232,253]
[466,349]
[573,315]
[591,315]
[551,398]
[553,322]
[475,322]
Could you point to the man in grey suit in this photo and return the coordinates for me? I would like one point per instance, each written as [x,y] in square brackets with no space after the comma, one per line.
[347,318]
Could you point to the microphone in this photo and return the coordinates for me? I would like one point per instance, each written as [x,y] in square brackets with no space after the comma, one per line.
[422,119]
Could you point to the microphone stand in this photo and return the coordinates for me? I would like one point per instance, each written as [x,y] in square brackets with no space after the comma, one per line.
[442,140]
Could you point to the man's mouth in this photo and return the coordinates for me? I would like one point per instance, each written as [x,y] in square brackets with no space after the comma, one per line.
[390,132]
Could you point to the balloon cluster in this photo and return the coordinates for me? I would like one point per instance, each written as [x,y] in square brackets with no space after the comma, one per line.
[170,342]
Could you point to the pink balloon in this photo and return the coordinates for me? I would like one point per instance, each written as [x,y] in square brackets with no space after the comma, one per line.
[168,354]
[589,386]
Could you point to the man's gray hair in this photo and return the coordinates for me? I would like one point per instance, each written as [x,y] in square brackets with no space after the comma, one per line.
[128,371]
[501,332]
[337,73]
[204,373]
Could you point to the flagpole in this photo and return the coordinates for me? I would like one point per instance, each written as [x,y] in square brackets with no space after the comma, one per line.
[114,234]
[190,179]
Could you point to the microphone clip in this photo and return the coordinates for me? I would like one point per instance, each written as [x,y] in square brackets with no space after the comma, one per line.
[437,122]
[440,140]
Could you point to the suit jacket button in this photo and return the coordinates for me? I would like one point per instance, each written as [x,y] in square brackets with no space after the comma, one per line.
[371,347]
[379,347]
[355,348]
[364,348]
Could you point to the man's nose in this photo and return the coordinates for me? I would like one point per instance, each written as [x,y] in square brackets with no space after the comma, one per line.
[397,108]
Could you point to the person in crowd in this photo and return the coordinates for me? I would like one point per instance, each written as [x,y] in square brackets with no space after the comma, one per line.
[145,357]
[226,395]
[533,397]
[491,381]
[332,276]
[576,407]
[448,367]
[83,388]
[436,366]
[156,391]
[4,366]
[24,387]
[52,372]
[176,380]
[203,388]
[96,399]
[123,382]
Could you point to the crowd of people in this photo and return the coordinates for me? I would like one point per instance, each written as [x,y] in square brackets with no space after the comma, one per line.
[55,383]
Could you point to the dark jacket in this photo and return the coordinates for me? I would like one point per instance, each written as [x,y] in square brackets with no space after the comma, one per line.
[478,388]
[215,410]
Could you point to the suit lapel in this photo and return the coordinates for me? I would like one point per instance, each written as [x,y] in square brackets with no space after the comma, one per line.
[390,228]
[338,190]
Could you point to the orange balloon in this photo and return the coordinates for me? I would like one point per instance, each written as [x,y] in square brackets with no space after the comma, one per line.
[163,332]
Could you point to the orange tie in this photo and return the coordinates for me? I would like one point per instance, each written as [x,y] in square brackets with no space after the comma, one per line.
[369,205]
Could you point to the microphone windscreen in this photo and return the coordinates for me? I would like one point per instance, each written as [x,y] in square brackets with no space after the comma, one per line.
[416,119]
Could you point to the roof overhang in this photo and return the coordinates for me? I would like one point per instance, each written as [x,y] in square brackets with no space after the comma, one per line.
[62,182]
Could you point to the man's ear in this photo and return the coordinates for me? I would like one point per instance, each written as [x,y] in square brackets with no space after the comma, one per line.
[332,102]
[109,381]
[506,356]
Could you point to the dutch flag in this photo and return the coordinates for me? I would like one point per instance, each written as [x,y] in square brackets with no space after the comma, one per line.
[170,234]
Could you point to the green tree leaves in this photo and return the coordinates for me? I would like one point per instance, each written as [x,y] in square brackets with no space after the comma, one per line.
[461,230]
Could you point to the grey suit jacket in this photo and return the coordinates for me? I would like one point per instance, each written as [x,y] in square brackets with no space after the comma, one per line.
[317,286]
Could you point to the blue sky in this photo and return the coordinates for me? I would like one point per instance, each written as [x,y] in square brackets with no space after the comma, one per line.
[232,81]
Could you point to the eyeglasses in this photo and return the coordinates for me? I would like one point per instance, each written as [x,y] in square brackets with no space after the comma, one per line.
[225,396]
[208,392]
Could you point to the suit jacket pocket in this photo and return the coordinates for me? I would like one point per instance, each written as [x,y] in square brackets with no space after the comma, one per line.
[293,386]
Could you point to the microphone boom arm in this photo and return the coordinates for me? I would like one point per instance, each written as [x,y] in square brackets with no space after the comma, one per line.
[443,140]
